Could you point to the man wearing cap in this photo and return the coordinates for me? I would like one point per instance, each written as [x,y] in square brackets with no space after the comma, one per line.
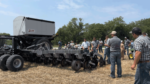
[86,46]
[115,54]
[126,45]
[95,45]
[141,57]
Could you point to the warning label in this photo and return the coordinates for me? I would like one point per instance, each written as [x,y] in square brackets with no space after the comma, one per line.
[31,30]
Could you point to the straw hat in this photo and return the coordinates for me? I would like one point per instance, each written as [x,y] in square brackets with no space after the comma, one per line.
[113,32]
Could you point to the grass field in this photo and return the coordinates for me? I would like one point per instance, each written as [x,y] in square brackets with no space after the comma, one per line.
[33,73]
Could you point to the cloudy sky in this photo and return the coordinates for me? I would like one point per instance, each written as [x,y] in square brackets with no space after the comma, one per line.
[62,11]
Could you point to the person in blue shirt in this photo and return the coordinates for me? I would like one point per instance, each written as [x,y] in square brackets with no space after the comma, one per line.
[59,44]
[107,49]
[132,43]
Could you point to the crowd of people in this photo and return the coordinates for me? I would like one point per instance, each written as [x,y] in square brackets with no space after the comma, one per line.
[115,49]
[97,46]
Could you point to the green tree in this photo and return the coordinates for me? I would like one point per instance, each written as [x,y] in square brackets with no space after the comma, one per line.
[71,31]
[5,41]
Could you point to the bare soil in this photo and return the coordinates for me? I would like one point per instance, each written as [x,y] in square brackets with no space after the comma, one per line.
[33,73]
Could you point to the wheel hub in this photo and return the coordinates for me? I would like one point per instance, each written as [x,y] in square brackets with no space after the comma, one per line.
[131,56]
[17,63]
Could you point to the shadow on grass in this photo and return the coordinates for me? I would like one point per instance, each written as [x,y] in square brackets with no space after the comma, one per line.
[128,75]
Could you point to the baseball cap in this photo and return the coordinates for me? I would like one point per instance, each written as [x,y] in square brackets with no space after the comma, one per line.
[136,30]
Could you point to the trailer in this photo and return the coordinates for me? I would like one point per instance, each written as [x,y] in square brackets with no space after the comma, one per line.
[32,42]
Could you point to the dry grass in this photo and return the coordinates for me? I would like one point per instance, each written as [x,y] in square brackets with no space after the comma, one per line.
[33,73]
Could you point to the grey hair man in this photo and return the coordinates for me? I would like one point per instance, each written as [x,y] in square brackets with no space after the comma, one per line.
[144,34]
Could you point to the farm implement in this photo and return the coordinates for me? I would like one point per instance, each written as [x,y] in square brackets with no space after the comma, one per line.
[32,42]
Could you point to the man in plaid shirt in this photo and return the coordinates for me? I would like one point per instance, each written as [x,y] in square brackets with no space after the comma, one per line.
[141,57]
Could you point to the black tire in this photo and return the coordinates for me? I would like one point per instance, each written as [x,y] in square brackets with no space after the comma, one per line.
[1,54]
[86,65]
[46,61]
[63,63]
[101,61]
[3,60]
[105,62]
[96,63]
[11,65]
[76,65]
[54,62]
[38,60]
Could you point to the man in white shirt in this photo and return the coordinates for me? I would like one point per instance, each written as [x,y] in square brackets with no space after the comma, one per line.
[86,46]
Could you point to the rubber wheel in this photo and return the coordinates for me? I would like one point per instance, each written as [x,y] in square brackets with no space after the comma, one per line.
[101,62]
[130,56]
[15,63]
[86,65]
[76,65]
[96,63]
[3,60]
[63,62]
[38,60]
[54,62]
[46,61]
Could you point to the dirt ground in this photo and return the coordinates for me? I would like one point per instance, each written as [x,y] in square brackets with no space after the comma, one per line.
[33,73]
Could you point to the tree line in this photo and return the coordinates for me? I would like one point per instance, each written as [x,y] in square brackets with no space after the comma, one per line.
[76,30]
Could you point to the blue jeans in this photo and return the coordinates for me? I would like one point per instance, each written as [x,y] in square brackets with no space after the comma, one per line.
[86,50]
[107,52]
[100,49]
[131,46]
[115,57]
[142,75]
[127,49]
[94,50]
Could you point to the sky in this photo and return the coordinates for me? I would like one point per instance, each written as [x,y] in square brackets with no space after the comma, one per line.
[62,11]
